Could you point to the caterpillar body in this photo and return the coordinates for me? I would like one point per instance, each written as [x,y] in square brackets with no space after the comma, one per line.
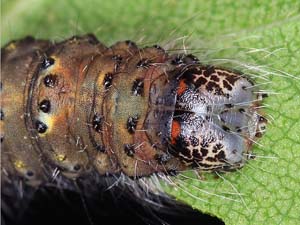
[78,107]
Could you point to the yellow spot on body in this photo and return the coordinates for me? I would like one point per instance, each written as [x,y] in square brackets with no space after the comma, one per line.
[11,46]
[61,157]
[48,120]
[100,79]
[56,63]
[19,164]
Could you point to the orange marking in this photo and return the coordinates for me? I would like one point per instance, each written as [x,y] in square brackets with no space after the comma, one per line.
[182,87]
[175,131]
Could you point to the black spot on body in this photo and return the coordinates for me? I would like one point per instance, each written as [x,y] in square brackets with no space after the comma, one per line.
[77,167]
[100,148]
[129,150]
[29,173]
[45,106]
[143,63]
[47,62]
[51,80]
[107,82]
[131,124]
[97,123]
[137,87]
[41,127]
[1,115]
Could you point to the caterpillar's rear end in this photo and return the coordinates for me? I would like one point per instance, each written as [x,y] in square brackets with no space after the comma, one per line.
[76,107]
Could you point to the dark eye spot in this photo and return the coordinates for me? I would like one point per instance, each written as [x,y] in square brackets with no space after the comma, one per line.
[129,150]
[47,62]
[45,106]
[131,124]
[41,127]
[1,138]
[97,123]
[50,80]
[138,87]
[107,80]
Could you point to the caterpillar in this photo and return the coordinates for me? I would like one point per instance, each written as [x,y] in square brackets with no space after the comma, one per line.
[76,107]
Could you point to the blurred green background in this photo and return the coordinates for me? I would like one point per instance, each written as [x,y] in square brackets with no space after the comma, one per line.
[260,38]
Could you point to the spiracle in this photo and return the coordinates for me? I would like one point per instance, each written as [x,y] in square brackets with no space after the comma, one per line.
[79,107]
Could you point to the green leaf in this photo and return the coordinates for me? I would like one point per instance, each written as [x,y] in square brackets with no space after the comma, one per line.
[261,37]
